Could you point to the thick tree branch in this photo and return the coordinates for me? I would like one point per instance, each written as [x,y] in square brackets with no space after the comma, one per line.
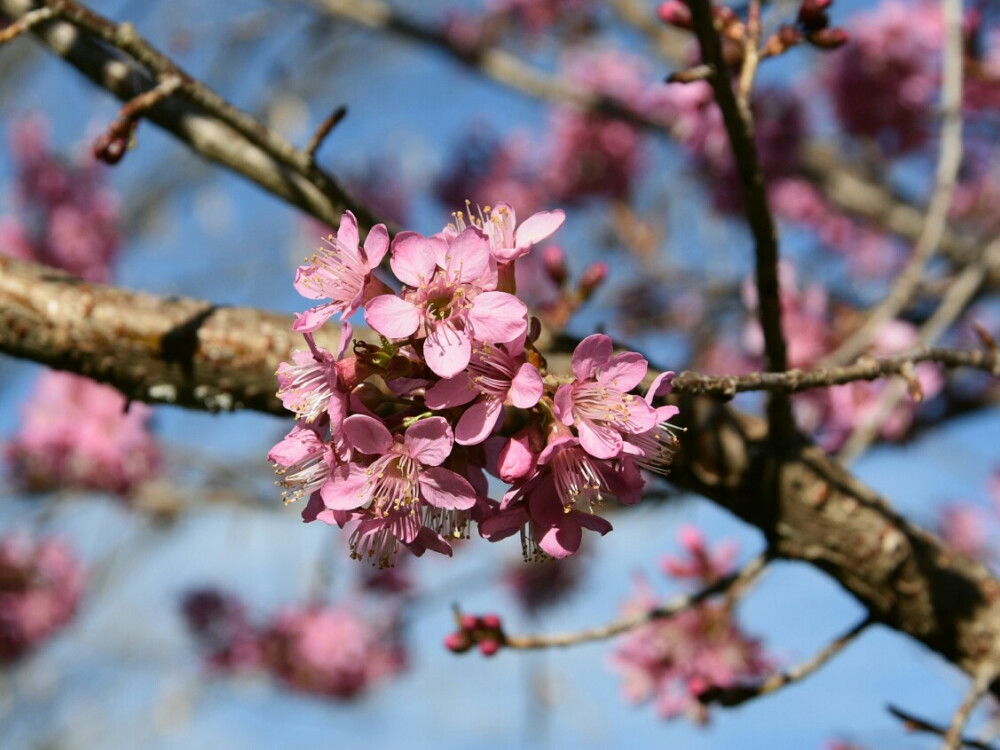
[194,354]
[116,58]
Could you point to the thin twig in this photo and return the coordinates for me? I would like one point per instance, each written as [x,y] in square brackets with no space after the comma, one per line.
[25,23]
[866,368]
[980,685]
[916,724]
[673,608]
[954,301]
[734,696]
[111,145]
[751,53]
[739,127]
[949,161]
[324,130]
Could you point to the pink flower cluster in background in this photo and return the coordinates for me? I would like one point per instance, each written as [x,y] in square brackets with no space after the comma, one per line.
[40,586]
[64,216]
[74,432]
[674,660]
[395,439]
[321,649]
[77,433]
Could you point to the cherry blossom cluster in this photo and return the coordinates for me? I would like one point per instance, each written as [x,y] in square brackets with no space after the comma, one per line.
[40,586]
[395,438]
[64,215]
[75,432]
[484,632]
[321,649]
[675,660]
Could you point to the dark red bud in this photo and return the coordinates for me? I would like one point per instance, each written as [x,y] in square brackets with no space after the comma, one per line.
[468,622]
[593,276]
[829,38]
[491,621]
[789,36]
[813,16]
[458,642]
[554,260]
[489,647]
[675,13]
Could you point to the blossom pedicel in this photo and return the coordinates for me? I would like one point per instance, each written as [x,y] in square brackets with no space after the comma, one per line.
[395,439]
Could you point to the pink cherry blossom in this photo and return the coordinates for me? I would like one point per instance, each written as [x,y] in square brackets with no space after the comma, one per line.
[314,384]
[598,403]
[497,375]
[450,299]
[40,586]
[674,660]
[342,272]
[702,563]
[965,529]
[305,463]
[508,241]
[332,650]
[404,487]
[75,432]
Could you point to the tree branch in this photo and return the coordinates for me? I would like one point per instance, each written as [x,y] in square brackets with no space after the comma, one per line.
[117,58]
[735,580]
[866,368]
[916,724]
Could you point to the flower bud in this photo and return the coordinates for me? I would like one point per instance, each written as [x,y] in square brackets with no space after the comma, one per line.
[458,642]
[489,647]
[813,16]
[468,623]
[829,38]
[554,261]
[491,621]
[592,277]
[675,13]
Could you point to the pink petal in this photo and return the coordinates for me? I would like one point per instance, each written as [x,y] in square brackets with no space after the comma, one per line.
[666,413]
[593,522]
[590,355]
[497,317]
[314,318]
[429,540]
[376,245]
[526,388]
[449,392]
[443,488]
[624,371]
[516,460]
[412,258]
[347,494]
[537,227]
[600,441]
[660,386]
[310,291]
[563,403]
[347,232]
[446,351]
[468,255]
[502,525]
[367,434]
[404,526]
[429,440]
[393,317]
[346,334]
[562,540]
[478,421]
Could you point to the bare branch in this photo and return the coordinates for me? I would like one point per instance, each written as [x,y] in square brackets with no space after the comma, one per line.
[866,368]
[324,130]
[916,724]
[117,58]
[946,175]
[739,127]
[737,694]
[25,23]
[735,580]
[980,685]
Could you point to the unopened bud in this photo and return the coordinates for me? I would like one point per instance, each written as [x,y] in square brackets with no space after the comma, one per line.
[489,647]
[554,260]
[593,276]
[788,36]
[491,621]
[468,622]
[813,16]
[675,13]
[829,38]
[458,642]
